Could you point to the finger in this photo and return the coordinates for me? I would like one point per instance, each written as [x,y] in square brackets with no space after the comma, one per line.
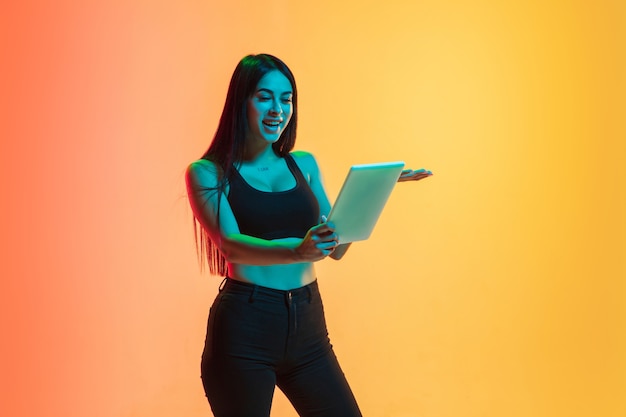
[329,237]
[326,245]
[324,228]
[409,172]
[320,228]
[327,252]
[420,175]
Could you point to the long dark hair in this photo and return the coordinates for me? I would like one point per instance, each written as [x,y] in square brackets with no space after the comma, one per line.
[228,145]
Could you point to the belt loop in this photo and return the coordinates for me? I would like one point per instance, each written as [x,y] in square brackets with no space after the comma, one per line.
[309,292]
[251,300]
[221,287]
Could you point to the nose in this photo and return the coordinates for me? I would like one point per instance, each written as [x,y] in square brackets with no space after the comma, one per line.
[276,108]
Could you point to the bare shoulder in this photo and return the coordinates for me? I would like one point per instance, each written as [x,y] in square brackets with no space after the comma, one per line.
[202,173]
[306,162]
[309,167]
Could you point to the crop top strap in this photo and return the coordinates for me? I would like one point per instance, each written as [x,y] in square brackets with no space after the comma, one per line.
[295,170]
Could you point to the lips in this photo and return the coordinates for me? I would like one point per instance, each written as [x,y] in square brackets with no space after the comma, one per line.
[272,126]
[272,123]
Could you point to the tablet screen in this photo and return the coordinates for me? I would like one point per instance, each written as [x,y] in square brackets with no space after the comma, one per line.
[362,198]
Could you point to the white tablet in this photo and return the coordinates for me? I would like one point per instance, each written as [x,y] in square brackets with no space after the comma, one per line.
[362,198]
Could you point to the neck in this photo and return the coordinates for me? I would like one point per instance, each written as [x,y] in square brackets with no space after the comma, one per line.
[259,154]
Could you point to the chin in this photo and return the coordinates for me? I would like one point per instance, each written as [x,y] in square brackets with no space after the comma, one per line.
[271,140]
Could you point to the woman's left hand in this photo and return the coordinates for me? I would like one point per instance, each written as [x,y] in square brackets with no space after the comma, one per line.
[414,175]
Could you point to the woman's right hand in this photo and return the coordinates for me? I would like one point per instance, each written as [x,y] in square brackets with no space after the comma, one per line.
[319,242]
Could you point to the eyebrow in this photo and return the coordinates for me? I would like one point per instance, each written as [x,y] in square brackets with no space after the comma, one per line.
[265,90]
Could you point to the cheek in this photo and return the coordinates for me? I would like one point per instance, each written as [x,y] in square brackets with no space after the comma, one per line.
[253,114]
[289,114]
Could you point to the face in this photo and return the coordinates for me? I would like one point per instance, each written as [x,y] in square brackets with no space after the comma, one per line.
[270,108]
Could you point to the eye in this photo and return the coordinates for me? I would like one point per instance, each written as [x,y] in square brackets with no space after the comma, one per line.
[287,100]
[264,98]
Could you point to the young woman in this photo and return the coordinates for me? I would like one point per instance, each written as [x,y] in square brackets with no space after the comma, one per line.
[261,210]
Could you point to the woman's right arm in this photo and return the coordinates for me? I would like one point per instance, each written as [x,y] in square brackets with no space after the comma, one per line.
[202,179]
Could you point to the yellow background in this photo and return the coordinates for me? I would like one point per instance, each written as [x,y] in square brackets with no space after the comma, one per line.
[495,288]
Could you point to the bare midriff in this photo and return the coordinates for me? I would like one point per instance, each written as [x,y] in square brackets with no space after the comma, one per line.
[280,277]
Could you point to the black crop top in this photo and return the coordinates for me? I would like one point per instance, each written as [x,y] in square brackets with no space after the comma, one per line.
[274,215]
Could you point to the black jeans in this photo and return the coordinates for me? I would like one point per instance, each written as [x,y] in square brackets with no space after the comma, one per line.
[258,338]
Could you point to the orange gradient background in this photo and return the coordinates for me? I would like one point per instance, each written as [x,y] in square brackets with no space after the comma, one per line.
[495,288]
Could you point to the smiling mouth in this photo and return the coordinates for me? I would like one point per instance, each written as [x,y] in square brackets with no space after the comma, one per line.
[272,124]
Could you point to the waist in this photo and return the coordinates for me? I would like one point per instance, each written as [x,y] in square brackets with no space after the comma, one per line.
[300,294]
[280,277]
